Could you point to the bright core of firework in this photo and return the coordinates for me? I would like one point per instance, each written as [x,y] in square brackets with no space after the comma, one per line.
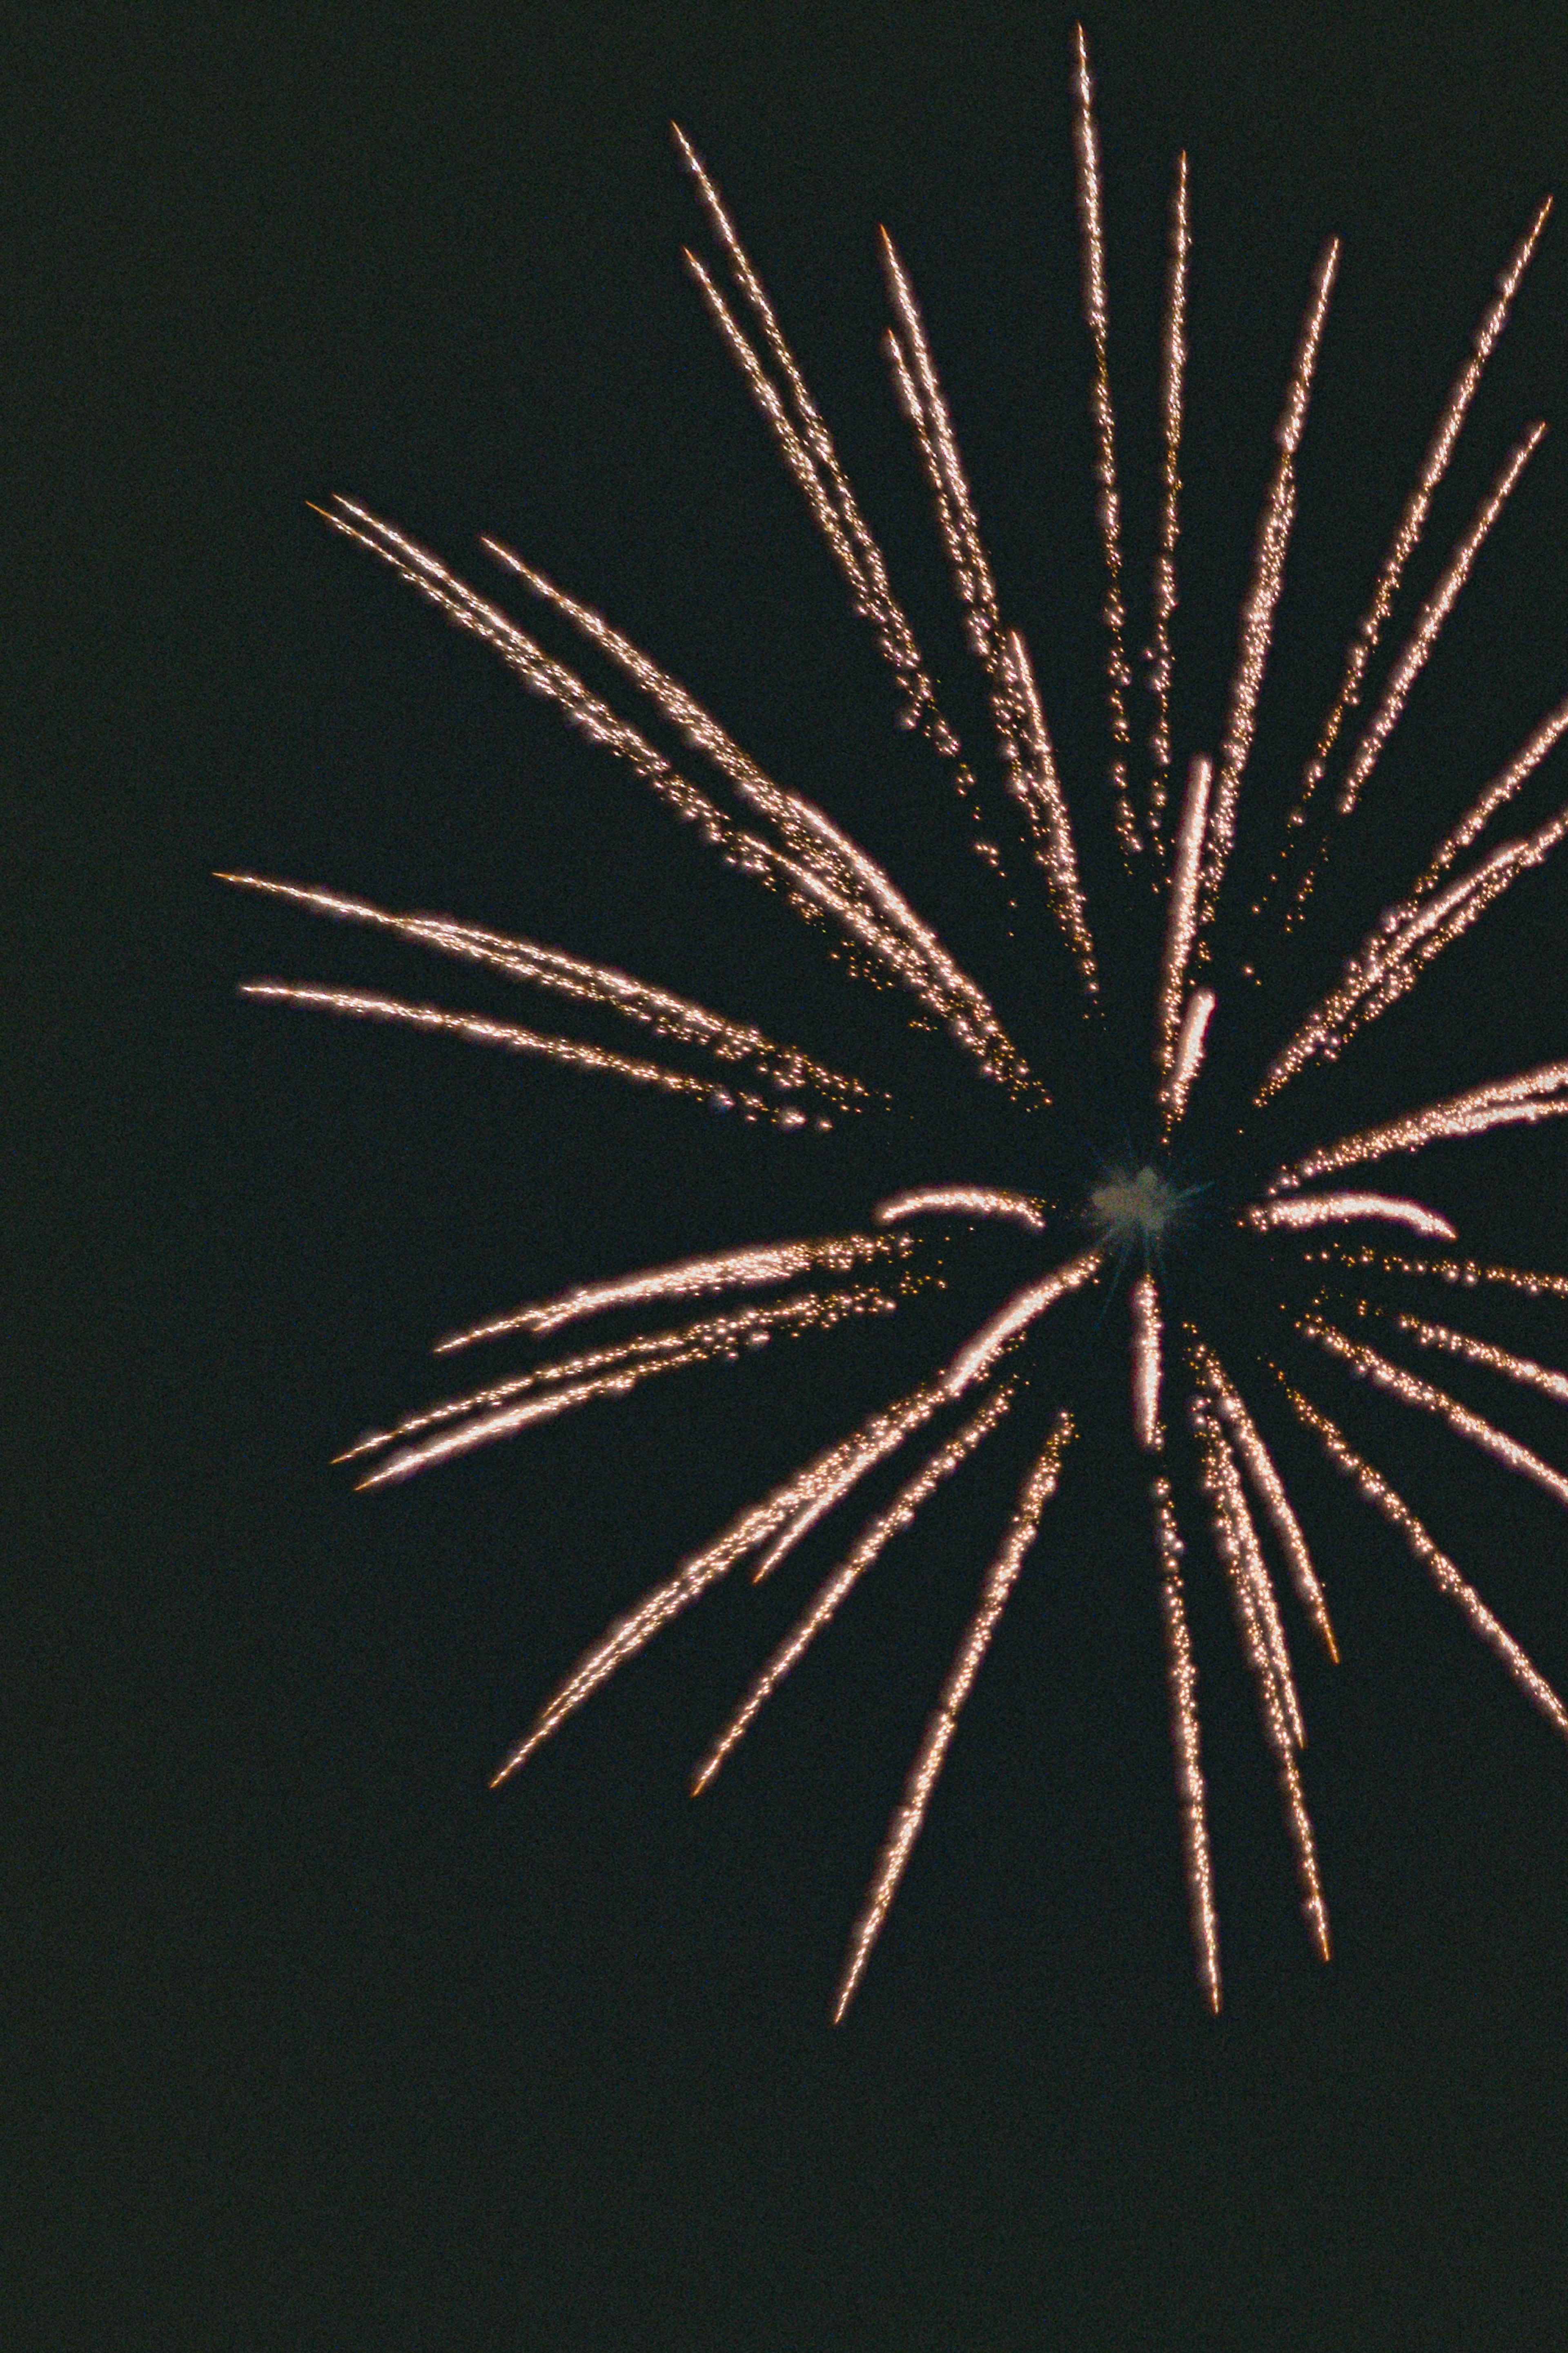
[1204,1425]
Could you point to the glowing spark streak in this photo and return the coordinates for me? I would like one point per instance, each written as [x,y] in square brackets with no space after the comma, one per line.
[1108,506]
[1181,1681]
[363,1006]
[1340,1208]
[1270,1489]
[1187,1061]
[1481,1352]
[1254,1569]
[1262,598]
[1045,805]
[811,456]
[1434,613]
[807,832]
[968,1200]
[1173,361]
[714,1336]
[1144,1303]
[1439,1567]
[905,1827]
[1503,787]
[1395,1382]
[746,1269]
[1520,1101]
[838,1467]
[1231,1521]
[1408,935]
[1412,521]
[1181,917]
[573,977]
[1465,1271]
[898,1515]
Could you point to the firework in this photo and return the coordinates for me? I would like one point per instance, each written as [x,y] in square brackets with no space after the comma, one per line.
[1137,1218]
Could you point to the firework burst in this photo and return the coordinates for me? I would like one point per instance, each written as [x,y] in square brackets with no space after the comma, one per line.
[1210,1253]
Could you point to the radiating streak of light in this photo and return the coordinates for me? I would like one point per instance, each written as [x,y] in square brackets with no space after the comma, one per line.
[1228,1494]
[1522,1100]
[1428,625]
[806,831]
[1468,1272]
[1404,942]
[1045,806]
[711,1336]
[1107,504]
[838,1467]
[813,884]
[835,1590]
[1182,1682]
[1298,1209]
[965,1200]
[1143,1303]
[1409,528]
[1267,1486]
[1232,1524]
[1439,1566]
[905,1827]
[593,984]
[1502,788]
[1180,915]
[1407,1390]
[1173,364]
[747,1267]
[365,1004]
[1269,557]
[1188,1061]
[1523,1369]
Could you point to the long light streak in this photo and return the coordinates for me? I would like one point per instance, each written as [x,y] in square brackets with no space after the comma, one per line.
[1182,1681]
[1173,364]
[905,1827]
[1519,1101]
[1293,1211]
[962,1201]
[1267,1486]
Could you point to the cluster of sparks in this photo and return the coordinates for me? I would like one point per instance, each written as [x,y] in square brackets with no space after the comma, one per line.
[784,842]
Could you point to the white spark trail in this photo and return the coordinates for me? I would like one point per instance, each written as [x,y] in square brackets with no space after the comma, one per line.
[1300,1209]
[1181,915]
[1521,1369]
[592,984]
[1182,1681]
[1519,1101]
[1108,505]
[1143,1302]
[1267,1486]
[575,1380]
[1439,1566]
[747,1267]
[1428,626]
[1502,788]
[1231,1520]
[364,1005]
[838,1467]
[873,1541]
[1173,363]
[1050,827]
[1250,1565]
[905,1827]
[1468,1272]
[1408,935]
[1395,1382]
[1188,1061]
[1409,528]
[966,1201]
[1269,557]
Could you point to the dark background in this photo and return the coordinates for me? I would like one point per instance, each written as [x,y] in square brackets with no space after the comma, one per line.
[313,2040]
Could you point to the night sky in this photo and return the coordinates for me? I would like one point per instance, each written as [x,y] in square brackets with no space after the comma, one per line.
[312,2039]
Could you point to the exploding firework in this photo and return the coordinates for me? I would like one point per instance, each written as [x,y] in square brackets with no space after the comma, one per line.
[1234,1293]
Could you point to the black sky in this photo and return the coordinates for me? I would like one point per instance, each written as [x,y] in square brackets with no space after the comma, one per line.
[313,2041]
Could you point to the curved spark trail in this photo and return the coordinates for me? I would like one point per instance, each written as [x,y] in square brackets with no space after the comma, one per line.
[1254,1258]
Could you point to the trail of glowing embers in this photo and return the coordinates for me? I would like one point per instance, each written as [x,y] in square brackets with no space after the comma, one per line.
[830,880]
